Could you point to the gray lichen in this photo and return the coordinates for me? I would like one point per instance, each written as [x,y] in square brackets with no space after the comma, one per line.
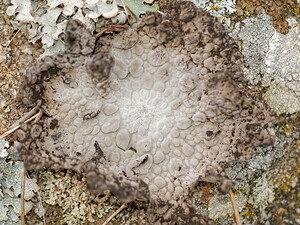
[272,59]
[263,192]
[155,100]
[246,173]
[10,186]
[61,188]
[49,20]
[217,7]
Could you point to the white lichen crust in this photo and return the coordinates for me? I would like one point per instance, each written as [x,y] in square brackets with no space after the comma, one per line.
[157,110]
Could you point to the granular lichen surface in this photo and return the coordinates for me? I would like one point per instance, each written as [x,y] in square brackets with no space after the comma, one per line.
[158,108]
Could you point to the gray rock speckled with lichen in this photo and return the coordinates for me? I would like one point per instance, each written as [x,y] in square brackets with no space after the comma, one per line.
[273,60]
[159,107]
[216,7]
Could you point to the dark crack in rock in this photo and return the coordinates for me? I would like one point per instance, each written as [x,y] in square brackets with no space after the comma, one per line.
[160,107]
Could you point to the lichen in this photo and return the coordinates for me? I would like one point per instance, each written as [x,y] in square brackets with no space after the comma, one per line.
[223,10]
[263,193]
[276,170]
[282,76]
[47,21]
[279,10]
[273,61]
[158,109]
[217,7]
[220,205]
[13,57]
[285,207]
[68,190]
[11,170]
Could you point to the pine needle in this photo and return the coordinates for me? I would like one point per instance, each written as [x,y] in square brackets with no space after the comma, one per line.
[9,131]
[125,11]
[24,118]
[16,127]
[235,208]
[4,171]
[13,37]
[22,196]
[37,118]
[116,27]
[115,213]
[132,13]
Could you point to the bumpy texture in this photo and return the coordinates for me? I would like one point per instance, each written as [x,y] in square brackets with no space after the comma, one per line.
[160,107]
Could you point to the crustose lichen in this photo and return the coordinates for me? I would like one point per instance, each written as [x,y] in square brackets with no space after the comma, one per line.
[160,107]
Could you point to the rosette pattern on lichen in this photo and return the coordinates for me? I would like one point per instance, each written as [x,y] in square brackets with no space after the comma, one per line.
[158,108]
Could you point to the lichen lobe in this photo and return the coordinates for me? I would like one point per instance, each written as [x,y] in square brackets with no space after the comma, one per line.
[155,111]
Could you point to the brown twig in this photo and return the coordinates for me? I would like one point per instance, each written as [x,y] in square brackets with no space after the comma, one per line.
[115,213]
[16,125]
[22,196]
[235,208]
